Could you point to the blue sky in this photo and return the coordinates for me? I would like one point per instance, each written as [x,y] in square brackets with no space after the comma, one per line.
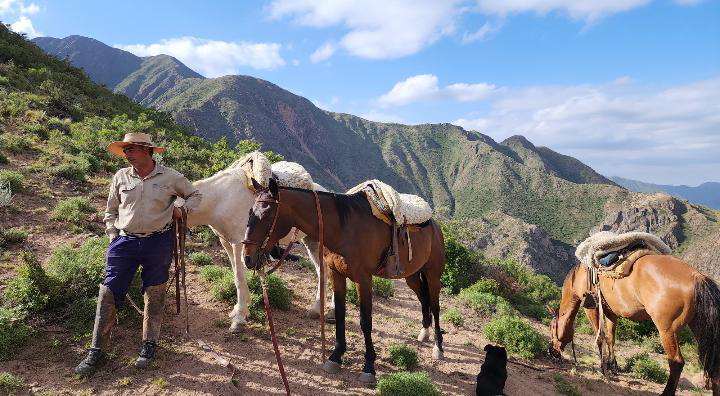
[630,87]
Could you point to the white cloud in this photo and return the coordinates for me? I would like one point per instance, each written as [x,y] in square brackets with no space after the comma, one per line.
[6,6]
[617,128]
[29,10]
[687,2]
[378,116]
[213,58]
[378,29]
[481,34]
[424,87]
[323,53]
[24,25]
[588,10]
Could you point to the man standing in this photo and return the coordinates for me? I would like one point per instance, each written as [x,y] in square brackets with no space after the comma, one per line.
[139,223]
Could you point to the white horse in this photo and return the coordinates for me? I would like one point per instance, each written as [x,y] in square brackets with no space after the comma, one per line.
[226,202]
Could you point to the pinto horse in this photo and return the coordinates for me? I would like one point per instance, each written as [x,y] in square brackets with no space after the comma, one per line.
[360,242]
[661,288]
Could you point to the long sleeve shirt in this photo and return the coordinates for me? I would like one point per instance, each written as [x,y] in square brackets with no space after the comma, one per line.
[140,205]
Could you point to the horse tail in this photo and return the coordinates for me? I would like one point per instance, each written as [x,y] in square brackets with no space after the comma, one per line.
[706,325]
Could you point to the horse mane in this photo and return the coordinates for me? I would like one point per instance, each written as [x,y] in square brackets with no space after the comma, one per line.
[344,203]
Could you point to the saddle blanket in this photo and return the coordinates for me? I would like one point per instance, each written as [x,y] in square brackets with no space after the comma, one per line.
[598,246]
[405,208]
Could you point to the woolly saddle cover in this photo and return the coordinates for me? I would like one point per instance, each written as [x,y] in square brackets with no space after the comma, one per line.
[406,208]
[599,244]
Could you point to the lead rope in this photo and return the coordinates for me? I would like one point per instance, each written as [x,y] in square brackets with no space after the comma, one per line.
[268,312]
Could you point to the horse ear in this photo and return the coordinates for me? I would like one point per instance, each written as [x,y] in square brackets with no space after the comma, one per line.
[273,187]
[256,185]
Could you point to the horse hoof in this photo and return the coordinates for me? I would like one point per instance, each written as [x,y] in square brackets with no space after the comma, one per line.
[236,326]
[367,378]
[437,353]
[331,367]
[424,334]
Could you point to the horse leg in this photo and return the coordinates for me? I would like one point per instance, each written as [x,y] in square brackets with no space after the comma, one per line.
[610,330]
[430,279]
[594,318]
[238,316]
[332,366]
[669,340]
[313,249]
[423,295]
[365,290]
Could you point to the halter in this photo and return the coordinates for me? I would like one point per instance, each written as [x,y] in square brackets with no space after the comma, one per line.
[264,242]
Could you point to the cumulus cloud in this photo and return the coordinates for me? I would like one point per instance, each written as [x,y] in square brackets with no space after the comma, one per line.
[213,58]
[24,25]
[30,9]
[13,8]
[668,134]
[323,53]
[377,29]
[424,87]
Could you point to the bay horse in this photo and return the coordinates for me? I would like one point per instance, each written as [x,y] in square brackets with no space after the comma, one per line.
[359,242]
[661,288]
[226,199]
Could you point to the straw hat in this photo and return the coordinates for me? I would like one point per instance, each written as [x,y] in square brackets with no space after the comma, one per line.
[140,139]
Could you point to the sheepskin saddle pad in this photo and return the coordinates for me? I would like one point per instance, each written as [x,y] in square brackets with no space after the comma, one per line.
[288,174]
[385,201]
[613,255]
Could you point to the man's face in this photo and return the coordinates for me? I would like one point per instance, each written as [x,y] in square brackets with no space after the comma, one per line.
[137,155]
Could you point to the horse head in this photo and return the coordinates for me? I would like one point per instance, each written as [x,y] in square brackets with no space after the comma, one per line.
[263,229]
[556,346]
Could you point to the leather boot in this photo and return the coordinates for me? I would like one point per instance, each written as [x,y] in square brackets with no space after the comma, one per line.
[154,310]
[105,314]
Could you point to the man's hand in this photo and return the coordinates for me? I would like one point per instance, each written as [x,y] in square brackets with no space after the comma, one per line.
[177,213]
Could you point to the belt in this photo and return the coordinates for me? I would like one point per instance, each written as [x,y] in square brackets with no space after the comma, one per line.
[167,227]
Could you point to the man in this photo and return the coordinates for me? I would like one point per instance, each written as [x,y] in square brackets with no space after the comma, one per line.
[138,219]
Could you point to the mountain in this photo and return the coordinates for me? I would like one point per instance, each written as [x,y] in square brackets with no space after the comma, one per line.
[517,199]
[706,194]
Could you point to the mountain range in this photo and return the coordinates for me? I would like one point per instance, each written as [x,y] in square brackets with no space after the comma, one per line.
[706,194]
[543,203]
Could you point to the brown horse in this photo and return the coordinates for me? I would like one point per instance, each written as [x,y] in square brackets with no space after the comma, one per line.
[662,288]
[351,231]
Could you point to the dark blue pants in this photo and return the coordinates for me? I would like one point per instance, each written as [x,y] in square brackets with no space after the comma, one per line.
[126,253]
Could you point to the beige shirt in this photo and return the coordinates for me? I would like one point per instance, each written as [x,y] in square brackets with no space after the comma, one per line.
[141,205]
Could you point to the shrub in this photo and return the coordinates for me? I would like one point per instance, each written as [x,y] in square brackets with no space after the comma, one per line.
[80,315]
[565,388]
[644,367]
[12,236]
[211,273]
[485,303]
[36,130]
[403,356]
[200,258]
[582,324]
[223,288]
[30,289]
[10,383]
[205,234]
[383,287]
[279,295]
[73,168]
[73,210]
[351,295]
[14,143]
[628,330]
[486,285]
[461,266]
[13,332]
[13,179]
[3,159]
[406,384]
[453,316]
[518,337]
[79,270]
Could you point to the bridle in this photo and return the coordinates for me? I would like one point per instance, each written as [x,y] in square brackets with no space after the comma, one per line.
[263,244]
[556,336]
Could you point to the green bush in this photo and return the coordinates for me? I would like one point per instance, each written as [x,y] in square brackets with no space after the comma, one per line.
[383,287]
[485,303]
[628,330]
[14,143]
[279,295]
[80,315]
[79,270]
[223,288]
[211,273]
[518,337]
[13,332]
[30,289]
[200,258]
[12,236]
[406,384]
[13,179]
[644,367]
[3,159]
[536,290]
[205,234]
[582,324]
[403,356]
[565,388]
[486,285]
[462,267]
[351,294]
[10,383]
[73,168]
[73,210]
[36,130]
[453,316]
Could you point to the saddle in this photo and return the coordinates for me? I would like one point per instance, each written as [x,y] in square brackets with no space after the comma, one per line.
[403,213]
